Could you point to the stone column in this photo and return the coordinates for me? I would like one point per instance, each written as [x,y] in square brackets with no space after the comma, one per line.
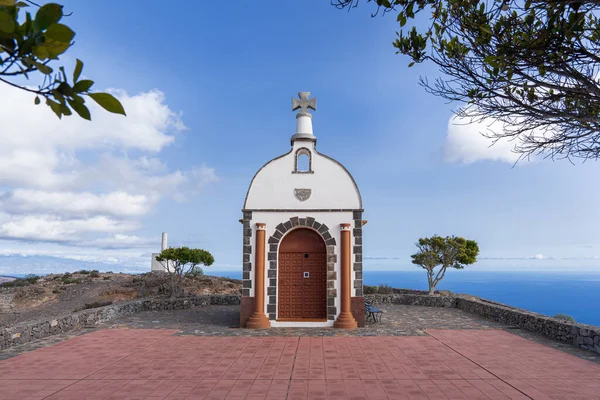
[259,320]
[345,320]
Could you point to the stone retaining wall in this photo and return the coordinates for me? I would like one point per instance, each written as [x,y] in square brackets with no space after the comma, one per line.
[412,300]
[584,336]
[6,302]
[24,333]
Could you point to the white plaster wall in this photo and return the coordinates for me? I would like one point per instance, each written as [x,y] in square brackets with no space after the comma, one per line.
[332,187]
[156,266]
[331,219]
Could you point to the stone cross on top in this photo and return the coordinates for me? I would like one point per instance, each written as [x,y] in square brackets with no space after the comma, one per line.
[304,103]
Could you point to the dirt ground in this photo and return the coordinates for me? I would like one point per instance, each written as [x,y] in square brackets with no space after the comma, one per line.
[59,294]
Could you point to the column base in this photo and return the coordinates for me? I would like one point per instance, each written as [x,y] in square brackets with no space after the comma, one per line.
[345,321]
[258,321]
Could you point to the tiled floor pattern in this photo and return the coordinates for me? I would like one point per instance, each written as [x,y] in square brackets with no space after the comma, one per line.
[154,364]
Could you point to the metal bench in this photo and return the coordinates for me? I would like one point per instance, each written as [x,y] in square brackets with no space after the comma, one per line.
[372,312]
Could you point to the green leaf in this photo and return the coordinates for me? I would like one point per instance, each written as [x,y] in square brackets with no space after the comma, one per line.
[55,48]
[77,98]
[491,60]
[26,46]
[44,69]
[108,102]
[40,52]
[7,23]
[47,15]
[7,42]
[402,19]
[37,100]
[486,28]
[80,109]
[77,71]
[7,3]
[542,70]
[58,96]
[25,27]
[83,85]
[65,110]
[55,107]
[65,89]
[60,33]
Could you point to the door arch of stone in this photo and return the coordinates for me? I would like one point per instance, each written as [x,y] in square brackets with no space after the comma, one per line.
[302,285]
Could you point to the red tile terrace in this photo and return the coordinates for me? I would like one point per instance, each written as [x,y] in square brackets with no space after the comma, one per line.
[125,363]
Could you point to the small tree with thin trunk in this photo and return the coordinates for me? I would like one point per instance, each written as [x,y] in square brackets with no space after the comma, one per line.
[437,251]
[179,261]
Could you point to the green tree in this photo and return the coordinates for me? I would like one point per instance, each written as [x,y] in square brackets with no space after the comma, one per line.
[564,317]
[179,261]
[30,46]
[532,64]
[444,252]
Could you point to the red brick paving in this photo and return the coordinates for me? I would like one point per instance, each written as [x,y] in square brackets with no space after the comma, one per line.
[154,364]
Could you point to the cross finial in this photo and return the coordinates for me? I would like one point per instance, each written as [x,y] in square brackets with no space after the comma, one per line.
[304,103]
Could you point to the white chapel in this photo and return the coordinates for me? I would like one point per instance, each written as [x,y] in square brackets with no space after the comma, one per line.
[302,249]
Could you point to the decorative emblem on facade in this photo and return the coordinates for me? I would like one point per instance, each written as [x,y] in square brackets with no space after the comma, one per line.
[302,194]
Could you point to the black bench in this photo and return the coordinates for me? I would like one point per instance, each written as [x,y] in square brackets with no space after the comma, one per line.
[372,312]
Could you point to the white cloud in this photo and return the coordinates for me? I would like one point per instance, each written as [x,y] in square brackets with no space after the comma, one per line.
[120,241]
[53,228]
[74,181]
[538,256]
[465,142]
[542,257]
[147,175]
[148,126]
[39,150]
[23,201]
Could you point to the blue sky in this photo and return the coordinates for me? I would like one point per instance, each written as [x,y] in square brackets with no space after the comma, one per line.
[207,89]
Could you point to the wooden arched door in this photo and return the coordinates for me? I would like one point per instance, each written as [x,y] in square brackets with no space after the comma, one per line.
[302,277]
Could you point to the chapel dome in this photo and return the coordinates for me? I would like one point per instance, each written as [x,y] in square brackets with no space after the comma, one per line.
[279,185]
[303,179]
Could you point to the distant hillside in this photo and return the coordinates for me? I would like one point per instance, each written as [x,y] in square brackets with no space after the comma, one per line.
[18,265]
[60,294]
[6,279]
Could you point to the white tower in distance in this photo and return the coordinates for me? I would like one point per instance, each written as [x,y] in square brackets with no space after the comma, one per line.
[155,265]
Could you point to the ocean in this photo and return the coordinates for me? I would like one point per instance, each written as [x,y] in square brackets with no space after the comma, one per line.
[548,293]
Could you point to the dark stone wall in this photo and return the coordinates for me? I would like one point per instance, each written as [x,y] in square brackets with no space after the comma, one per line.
[247,254]
[357,252]
[413,300]
[24,333]
[584,336]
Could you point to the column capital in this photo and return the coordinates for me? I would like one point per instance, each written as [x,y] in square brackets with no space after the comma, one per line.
[345,227]
[260,226]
